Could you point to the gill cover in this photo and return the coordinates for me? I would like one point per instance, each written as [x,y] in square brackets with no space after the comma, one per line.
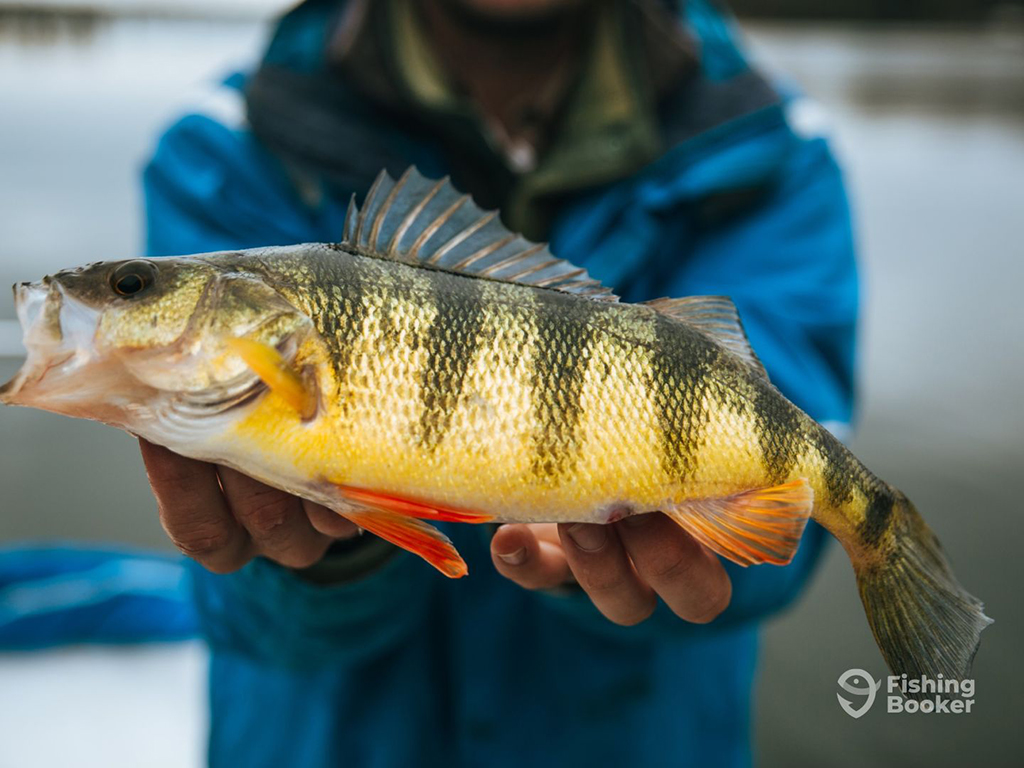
[232,306]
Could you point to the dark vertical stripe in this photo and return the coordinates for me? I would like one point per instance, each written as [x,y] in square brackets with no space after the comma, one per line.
[679,378]
[779,432]
[840,470]
[561,353]
[339,320]
[877,516]
[843,473]
[452,342]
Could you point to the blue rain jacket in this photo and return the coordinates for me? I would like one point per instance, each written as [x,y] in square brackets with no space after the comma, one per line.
[406,668]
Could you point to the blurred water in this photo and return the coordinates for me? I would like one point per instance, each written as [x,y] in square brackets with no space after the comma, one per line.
[80,114]
[931,127]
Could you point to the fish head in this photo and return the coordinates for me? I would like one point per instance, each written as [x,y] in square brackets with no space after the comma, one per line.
[130,342]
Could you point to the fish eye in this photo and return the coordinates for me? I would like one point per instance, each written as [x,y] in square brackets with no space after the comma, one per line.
[132,278]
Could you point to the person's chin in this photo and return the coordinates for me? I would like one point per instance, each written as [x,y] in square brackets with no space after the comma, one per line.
[512,12]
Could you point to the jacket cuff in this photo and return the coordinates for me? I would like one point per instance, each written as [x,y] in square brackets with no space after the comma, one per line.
[349,560]
[274,614]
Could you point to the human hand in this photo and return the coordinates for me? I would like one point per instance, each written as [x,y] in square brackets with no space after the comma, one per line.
[222,518]
[623,567]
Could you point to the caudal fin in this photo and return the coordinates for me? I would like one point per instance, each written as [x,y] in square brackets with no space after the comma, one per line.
[924,622]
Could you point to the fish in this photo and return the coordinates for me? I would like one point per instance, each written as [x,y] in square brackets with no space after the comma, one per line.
[433,367]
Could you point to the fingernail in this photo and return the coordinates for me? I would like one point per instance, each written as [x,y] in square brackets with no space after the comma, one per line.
[588,537]
[514,558]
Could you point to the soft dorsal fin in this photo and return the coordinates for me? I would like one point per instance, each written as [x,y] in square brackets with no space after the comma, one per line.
[426,221]
[715,316]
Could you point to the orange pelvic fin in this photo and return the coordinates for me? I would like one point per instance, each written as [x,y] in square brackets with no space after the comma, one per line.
[410,507]
[413,535]
[282,378]
[759,526]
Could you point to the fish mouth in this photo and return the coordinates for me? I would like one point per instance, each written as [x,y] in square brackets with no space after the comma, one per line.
[57,332]
[67,370]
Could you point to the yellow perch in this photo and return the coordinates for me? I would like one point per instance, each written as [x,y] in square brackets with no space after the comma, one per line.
[433,367]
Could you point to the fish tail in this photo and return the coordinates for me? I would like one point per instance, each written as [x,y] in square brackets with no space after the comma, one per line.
[924,622]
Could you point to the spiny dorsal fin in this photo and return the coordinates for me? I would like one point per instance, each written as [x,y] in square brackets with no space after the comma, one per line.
[426,221]
[715,316]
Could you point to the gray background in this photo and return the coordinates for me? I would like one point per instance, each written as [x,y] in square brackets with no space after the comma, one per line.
[930,125]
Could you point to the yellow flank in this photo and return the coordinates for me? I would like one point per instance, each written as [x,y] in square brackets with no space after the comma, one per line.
[368,432]
[842,520]
[619,457]
[730,459]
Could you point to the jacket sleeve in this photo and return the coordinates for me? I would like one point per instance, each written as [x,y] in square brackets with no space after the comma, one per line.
[210,187]
[788,264]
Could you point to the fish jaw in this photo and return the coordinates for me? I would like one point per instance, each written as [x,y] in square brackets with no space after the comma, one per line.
[63,371]
[38,309]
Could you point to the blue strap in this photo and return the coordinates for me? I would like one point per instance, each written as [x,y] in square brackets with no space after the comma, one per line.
[60,595]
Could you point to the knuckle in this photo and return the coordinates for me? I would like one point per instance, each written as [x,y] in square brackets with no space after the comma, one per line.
[172,472]
[264,512]
[678,567]
[203,542]
[605,581]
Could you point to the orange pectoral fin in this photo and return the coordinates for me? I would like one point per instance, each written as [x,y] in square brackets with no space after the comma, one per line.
[410,507]
[759,526]
[413,535]
[267,363]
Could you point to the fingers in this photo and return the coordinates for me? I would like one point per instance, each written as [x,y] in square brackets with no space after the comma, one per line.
[329,522]
[602,568]
[275,520]
[222,518]
[530,555]
[688,577]
[193,510]
[622,567]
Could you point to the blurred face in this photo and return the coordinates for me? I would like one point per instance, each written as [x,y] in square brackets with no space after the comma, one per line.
[516,10]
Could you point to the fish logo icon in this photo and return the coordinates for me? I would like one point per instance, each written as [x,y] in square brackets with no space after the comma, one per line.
[848,681]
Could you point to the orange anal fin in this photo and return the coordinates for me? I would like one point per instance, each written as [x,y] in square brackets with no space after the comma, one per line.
[413,535]
[410,507]
[267,363]
[763,525]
